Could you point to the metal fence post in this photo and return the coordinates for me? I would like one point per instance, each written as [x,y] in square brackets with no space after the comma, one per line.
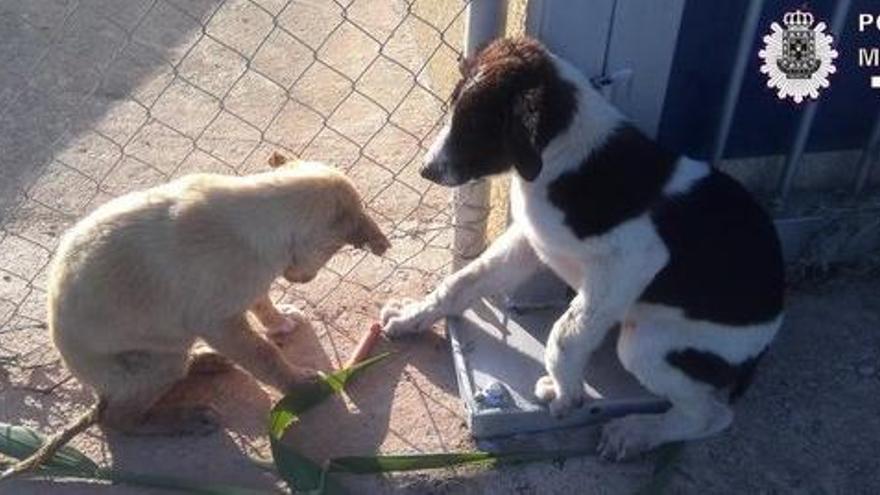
[471,202]
[743,53]
[805,124]
[868,158]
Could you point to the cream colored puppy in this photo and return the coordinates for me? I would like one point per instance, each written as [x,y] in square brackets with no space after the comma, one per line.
[134,284]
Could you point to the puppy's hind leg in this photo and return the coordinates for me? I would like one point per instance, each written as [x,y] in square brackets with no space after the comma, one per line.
[235,339]
[133,399]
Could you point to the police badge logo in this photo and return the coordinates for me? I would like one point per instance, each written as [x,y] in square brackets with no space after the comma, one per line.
[798,58]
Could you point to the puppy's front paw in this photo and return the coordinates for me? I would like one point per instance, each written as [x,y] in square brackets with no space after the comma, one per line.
[291,319]
[561,401]
[301,379]
[406,316]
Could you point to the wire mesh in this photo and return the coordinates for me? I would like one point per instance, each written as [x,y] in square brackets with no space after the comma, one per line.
[104,97]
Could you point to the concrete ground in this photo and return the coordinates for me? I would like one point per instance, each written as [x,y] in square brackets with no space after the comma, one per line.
[99,97]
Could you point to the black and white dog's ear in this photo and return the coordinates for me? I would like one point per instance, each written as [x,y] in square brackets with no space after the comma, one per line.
[523,132]
[525,156]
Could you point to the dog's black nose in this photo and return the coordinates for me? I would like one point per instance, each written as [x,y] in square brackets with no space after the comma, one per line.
[431,172]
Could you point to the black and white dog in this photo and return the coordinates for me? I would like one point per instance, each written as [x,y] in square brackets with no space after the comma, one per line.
[675,251]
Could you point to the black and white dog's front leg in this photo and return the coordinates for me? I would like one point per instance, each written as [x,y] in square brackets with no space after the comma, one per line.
[508,262]
[609,289]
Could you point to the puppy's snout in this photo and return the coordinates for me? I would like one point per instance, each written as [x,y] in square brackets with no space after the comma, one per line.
[293,275]
[369,234]
[379,244]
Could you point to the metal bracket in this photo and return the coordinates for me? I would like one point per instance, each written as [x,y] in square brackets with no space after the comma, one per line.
[615,87]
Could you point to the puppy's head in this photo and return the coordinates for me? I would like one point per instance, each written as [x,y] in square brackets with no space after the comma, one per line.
[505,109]
[336,217]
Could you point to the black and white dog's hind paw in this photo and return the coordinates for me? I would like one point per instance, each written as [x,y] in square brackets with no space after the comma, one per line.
[628,437]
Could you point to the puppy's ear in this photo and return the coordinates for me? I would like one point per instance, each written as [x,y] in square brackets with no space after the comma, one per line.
[522,131]
[367,233]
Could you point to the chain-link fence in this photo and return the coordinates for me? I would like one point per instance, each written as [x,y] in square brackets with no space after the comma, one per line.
[103,97]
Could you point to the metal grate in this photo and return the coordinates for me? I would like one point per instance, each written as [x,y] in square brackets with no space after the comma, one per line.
[795,155]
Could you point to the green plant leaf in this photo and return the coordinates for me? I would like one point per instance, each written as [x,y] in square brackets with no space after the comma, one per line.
[287,411]
[20,442]
[414,462]
[176,484]
[306,476]
[300,473]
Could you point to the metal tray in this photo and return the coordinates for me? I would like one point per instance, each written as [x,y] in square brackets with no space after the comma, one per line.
[498,353]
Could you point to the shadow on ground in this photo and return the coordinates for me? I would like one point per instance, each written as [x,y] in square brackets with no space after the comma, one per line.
[70,67]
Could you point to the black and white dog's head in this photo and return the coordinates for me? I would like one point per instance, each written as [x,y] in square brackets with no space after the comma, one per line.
[508,105]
